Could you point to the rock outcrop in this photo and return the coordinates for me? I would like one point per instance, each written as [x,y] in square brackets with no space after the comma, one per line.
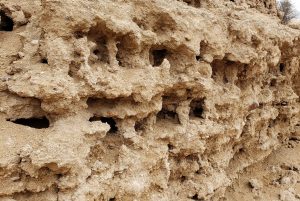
[141,100]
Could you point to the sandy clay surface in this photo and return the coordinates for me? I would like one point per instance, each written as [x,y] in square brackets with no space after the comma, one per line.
[148,100]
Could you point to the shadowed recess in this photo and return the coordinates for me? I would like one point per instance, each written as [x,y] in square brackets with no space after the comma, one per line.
[6,23]
[194,3]
[197,109]
[38,123]
[168,115]
[158,56]
[110,121]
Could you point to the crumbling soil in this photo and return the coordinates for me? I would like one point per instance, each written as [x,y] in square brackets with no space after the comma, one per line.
[122,100]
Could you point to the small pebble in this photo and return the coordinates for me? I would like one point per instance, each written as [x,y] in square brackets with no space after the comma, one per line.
[285,180]
[35,42]
[208,58]
[255,184]
[21,54]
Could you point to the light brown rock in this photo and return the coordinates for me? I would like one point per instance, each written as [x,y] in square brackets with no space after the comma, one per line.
[110,100]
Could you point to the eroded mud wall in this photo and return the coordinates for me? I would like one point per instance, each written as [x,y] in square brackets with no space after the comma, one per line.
[141,100]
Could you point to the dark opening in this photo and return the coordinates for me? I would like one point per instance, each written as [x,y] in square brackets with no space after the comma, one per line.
[232,0]
[194,3]
[126,49]
[79,34]
[183,178]
[6,23]
[96,52]
[294,138]
[197,4]
[170,147]
[101,51]
[44,61]
[37,123]
[219,68]
[120,55]
[195,197]
[166,114]
[273,83]
[197,108]
[158,56]
[281,67]
[192,157]
[73,69]
[198,58]
[112,199]
[110,121]
[241,150]
[284,103]
[140,125]
[200,171]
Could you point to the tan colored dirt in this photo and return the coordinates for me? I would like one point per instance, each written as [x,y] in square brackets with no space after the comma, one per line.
[129,100]
[278,176]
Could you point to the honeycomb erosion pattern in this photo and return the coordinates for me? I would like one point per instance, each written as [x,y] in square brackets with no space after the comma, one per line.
[122,100]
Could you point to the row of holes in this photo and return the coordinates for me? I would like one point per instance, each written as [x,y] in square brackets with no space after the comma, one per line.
[156,57]
[43,122]
[196,110]
[124,45]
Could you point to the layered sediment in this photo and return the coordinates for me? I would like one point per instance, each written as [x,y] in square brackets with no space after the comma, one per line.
[141,100]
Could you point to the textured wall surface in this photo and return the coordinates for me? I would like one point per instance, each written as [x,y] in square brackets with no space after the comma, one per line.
[122,100]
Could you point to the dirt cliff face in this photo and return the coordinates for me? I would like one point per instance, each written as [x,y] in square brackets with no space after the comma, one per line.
[141,100]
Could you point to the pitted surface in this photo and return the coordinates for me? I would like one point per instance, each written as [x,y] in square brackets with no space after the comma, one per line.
[141,100]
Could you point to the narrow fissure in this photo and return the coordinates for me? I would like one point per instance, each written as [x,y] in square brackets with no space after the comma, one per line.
[38,123]
[281,67]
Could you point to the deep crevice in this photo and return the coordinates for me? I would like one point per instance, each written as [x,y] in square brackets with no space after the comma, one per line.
[170,147]
[195,197]
[273,82]
[157,56]
[183,178]
[140,125]
[120,55]
[98,37]
[79,34]
[197,108]
[281,67]
[127,49]
[38,123]
[73,69]
[6,22]
[167,114]
[101,51]
[44,60]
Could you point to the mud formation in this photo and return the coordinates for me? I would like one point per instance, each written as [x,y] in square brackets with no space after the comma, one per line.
[122,100]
